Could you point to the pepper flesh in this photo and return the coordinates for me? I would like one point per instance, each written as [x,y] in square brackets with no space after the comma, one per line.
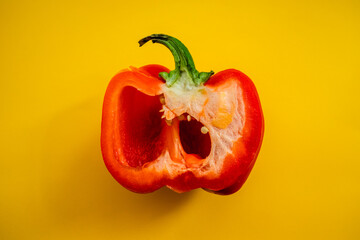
[147,143]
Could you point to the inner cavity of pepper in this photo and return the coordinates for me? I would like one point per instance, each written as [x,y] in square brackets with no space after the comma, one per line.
[139,127]
[143,127]
[194,136]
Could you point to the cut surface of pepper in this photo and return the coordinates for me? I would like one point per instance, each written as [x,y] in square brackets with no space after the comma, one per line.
[182,129]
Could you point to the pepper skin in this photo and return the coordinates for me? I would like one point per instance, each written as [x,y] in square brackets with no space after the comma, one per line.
[182,129]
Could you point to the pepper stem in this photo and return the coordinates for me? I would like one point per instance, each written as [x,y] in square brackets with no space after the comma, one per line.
[183,61]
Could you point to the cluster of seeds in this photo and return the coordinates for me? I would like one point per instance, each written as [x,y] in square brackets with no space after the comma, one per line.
[182,117]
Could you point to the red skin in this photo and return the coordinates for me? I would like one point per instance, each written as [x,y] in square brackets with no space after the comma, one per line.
[236,167]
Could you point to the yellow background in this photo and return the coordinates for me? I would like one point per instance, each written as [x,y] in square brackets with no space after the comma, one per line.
[57,58]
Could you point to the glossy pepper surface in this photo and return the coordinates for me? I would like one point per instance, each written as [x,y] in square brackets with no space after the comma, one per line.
[182,129]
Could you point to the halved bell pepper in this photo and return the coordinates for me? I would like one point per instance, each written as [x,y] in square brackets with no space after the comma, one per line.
[182,129]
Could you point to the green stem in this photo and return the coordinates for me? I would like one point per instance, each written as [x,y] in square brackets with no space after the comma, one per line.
[183,61]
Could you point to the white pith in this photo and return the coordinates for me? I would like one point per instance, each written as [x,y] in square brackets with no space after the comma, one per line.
[203,104]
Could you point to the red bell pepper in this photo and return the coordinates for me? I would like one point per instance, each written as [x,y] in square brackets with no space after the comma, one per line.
[182,129]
